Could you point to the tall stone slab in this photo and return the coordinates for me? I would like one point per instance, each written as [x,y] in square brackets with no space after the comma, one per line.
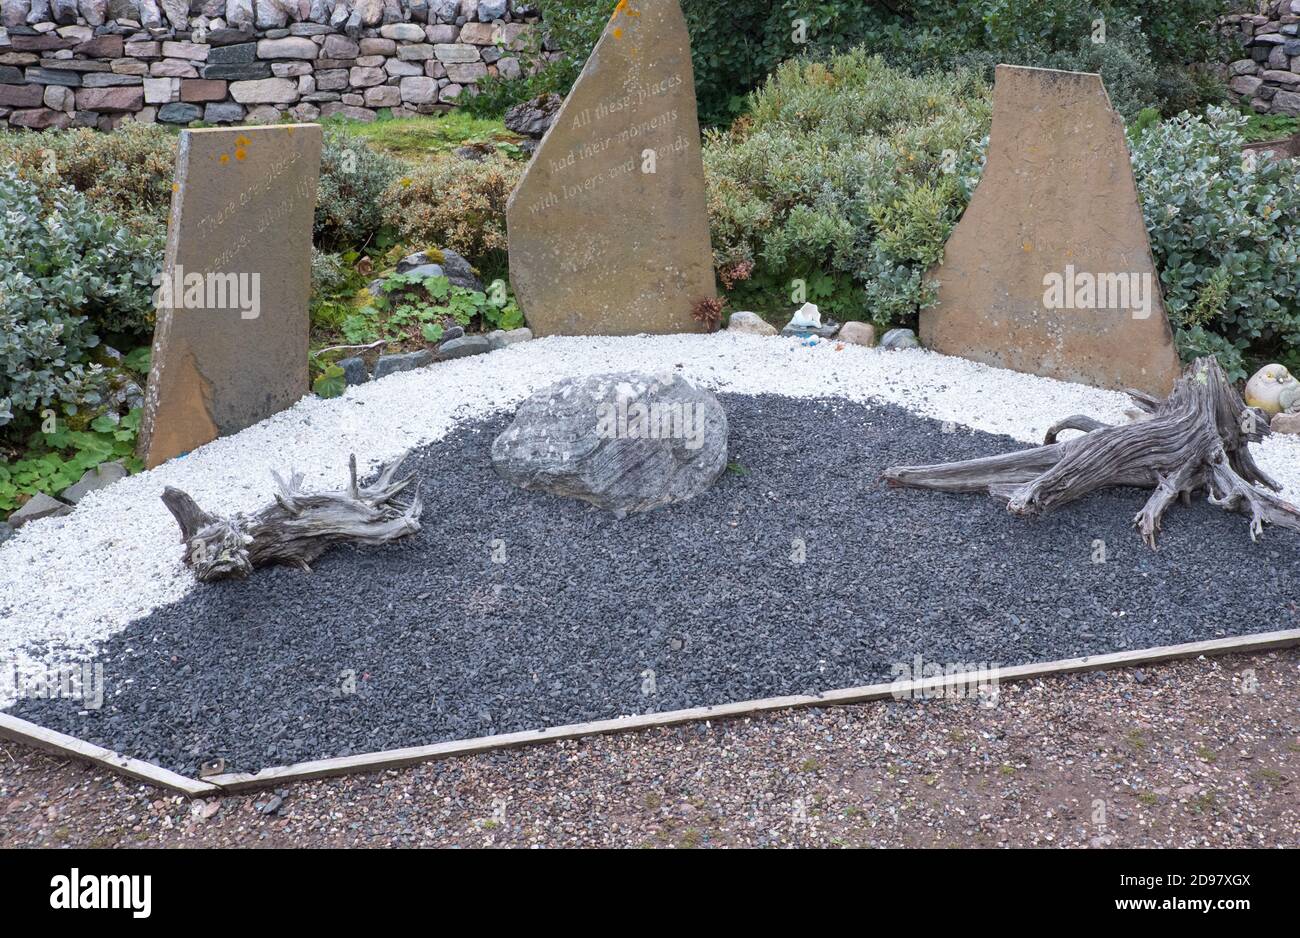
[609,229]
[1049,270]
[230,344]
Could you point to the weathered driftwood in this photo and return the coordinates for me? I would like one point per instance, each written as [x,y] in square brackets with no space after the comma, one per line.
[1195,440]
[298,528]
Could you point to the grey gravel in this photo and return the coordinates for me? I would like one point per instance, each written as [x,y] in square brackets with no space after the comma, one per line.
[431,639]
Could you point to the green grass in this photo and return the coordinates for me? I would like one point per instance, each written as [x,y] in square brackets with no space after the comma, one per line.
[413,138]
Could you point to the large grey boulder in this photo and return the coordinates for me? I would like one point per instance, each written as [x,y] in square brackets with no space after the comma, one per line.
[624,442]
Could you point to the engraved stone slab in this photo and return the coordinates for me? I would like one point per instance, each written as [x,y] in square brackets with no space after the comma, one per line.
[609,230]
[230,344]
[1050,271]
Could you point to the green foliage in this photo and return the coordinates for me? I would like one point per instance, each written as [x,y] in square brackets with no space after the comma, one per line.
[54,461]
[349,201]
[330,382]
[1223,234]
[456,204]
[842,184]
[419,310]
[126,174]
[66,273]
[735,46]
[1265,127]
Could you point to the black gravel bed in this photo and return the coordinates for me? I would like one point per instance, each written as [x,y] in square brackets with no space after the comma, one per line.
[432,640]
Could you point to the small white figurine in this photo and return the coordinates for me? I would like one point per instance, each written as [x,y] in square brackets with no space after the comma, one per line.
[807,316]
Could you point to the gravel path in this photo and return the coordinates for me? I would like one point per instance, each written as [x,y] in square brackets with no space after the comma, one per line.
[1199,753]
[432,640]
[68,584]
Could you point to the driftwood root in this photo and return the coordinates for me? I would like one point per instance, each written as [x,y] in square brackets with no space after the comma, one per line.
[1196,440]
[298,527]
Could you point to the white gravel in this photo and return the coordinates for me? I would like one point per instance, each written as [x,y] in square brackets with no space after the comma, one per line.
[68,583]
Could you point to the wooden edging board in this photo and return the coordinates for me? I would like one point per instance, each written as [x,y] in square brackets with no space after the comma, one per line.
[63,745]
[24,732]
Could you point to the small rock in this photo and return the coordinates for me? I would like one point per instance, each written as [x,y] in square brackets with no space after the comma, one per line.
[391,364]
[533,118]
[100,477]
[896,339]
[501,338]
[463,347]
[453,332]
[749,323]
[1286,423]
[450,264]
[270,807]
[40,506]
[858,333]
[6,532]
[354,370]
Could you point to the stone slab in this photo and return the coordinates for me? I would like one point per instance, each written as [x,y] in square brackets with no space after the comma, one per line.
[242,205]
[1056,202]
[599,245]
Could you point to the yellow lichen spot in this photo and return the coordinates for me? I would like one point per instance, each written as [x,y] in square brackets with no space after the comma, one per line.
[618,33]
[407,182]
[175,188]
[225,158]
[242,141]
[240,154]
[1027,246]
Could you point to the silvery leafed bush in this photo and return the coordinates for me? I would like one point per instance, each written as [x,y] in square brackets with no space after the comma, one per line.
[1223,231]
[64,268]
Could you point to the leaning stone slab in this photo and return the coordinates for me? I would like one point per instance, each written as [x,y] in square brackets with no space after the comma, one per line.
[38,506]
[230,346]
[101,477]
[608,230]
[1050,271]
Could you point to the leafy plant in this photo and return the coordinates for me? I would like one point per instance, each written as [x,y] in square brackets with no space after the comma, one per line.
[53,461]
[1223,234]
[65,268]
[841,185]
[330,382]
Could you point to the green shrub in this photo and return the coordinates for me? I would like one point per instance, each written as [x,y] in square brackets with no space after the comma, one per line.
[845,178]
[66,271]
[126,174]
[458,204]
[1224,236]
[349,200]
[735,46]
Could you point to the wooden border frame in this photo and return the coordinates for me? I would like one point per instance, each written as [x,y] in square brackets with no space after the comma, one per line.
[60,744]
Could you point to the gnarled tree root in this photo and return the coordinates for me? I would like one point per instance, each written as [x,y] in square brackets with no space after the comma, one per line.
[1195,440]
[297,528]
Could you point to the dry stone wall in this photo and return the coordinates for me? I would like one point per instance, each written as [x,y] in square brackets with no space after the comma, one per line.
[1267,76]
[95,63]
